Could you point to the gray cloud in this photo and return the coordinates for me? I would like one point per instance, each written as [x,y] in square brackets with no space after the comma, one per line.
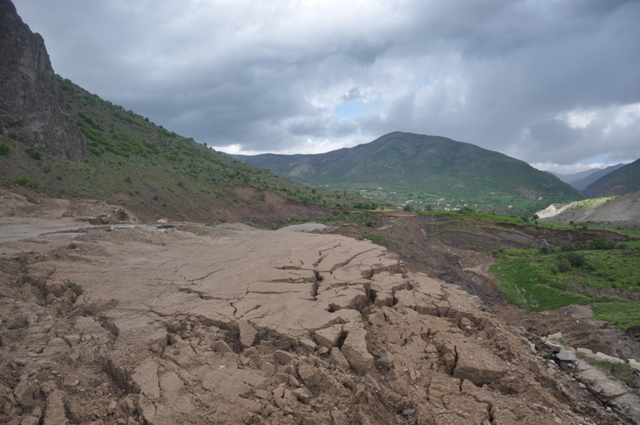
[546,82]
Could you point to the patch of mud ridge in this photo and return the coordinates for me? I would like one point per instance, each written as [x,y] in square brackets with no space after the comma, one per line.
[258,327]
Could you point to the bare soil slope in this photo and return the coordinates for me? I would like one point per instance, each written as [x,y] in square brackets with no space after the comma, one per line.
[623,209]
[193,325]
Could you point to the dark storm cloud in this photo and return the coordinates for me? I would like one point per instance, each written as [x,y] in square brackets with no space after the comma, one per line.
[549,82]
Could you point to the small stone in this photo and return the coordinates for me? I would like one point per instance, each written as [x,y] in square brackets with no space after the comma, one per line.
[55,412]
[556,336]
[30,420]
[24,394]
[6,293]
[303,394]
[268,368]
[56,346]
[263,394]
[18,322]
[610,359]
[339,418]
[378,319]
[307,344]
[338,359]
[71,381]
[555,347]
[72,339]
[283,357]
[355,351]
[329,337]
[222,347]
[247,334]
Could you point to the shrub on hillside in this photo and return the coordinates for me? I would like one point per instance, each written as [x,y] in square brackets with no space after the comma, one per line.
[545,250]
[563,265]
[575,259]
[601,243]
[25,181]
[33,153]
[567,247]
[4,149]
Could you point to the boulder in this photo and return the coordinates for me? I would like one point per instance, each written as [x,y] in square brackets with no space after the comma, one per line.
[566,356]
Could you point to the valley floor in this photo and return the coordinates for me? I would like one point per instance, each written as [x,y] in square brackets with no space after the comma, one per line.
[120,323]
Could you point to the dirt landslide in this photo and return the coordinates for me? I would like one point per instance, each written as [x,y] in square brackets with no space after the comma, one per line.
[129,324]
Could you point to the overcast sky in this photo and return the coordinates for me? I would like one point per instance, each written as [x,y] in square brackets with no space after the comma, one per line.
[555,83]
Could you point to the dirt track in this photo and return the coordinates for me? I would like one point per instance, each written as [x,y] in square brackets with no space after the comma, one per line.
[237,325]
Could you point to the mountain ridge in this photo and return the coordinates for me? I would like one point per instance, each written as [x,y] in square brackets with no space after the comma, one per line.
[584,178]
[433,164]
[624,180]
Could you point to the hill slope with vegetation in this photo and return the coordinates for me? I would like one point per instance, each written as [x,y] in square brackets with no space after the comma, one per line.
[66,142]
[428,168]
[619,182]
[155,172]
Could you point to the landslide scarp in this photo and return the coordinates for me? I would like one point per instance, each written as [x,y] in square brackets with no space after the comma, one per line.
[134,347]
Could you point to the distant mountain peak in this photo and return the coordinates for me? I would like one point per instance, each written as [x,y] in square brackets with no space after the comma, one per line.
[436,165]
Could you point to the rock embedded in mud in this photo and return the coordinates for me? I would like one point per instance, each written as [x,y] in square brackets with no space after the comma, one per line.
[355,351]
[55,412]
[283,357]
[56,346]
[145,379]
[554,346]
[247,334]
[24,394]
[315,379]
[18,322]
[221,347]
[339,417]
[329,337]
[338,359]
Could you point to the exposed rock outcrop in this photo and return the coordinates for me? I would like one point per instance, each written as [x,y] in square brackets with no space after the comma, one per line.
[31,105]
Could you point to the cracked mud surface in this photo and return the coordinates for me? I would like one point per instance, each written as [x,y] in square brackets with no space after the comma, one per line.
[235,325]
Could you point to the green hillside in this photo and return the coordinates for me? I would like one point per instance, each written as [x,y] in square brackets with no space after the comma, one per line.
[619,182]
[128,160]
[425,169]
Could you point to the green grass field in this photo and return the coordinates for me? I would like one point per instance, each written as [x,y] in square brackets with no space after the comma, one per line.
[606,279]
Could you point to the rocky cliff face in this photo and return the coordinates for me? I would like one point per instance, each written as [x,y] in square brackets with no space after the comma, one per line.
[31,105]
